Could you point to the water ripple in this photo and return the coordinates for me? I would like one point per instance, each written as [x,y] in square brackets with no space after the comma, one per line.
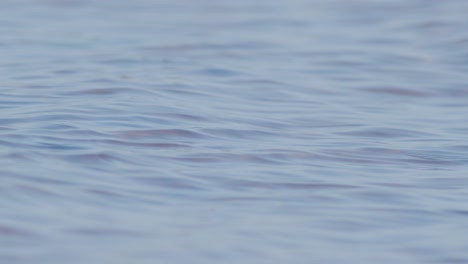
[160,133]
[233,131]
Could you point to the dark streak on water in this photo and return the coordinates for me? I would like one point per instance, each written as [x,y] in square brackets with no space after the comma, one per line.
[300,131]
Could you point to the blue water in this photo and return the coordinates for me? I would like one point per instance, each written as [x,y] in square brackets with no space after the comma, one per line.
[249,131]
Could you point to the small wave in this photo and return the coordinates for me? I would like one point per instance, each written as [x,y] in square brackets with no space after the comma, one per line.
[160,133]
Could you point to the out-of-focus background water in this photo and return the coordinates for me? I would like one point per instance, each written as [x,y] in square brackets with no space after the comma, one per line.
[250,131]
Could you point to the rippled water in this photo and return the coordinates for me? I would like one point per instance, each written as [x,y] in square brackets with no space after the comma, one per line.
[248,131]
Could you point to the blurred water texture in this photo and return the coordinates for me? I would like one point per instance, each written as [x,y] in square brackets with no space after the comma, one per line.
[248,131]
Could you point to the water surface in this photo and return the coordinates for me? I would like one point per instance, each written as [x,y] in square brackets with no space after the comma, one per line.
[300,131]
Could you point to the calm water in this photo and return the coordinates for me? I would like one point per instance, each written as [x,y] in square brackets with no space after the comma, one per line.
[251,131]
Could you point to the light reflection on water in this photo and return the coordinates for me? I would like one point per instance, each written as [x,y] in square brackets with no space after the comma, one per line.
[246,131]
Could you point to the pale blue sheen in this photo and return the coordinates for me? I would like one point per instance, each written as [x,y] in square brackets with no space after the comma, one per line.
[248,131]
